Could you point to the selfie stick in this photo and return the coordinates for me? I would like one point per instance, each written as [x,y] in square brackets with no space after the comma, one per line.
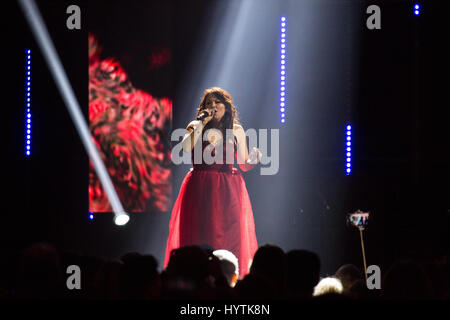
[361,228]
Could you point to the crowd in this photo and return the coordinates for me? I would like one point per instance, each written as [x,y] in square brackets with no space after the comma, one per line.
[199,272]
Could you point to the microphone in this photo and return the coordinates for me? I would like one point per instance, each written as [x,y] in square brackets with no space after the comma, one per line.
[204,114]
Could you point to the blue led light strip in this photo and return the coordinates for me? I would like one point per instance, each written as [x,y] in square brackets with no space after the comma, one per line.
[283,70]
[28,102]
[348,149]
[416,9]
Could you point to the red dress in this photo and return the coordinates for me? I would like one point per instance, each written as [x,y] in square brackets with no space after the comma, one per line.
[213,208]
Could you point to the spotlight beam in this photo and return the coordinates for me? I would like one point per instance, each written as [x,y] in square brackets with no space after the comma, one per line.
[42,36]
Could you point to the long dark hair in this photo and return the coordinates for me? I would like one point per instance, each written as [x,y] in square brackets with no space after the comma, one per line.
[229,118]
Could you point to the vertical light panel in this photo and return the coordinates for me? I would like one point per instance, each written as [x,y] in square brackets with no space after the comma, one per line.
[416,9]
[283,70]
[28,102]
[348,149]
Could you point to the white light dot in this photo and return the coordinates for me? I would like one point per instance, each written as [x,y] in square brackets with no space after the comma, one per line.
[282,99]
[282,104]
[282,109]
[283,29]
[283,78]
[283,72]
[282,120]
[283,45]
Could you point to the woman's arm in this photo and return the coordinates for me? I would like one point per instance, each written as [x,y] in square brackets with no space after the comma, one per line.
[194,132]
[245,162]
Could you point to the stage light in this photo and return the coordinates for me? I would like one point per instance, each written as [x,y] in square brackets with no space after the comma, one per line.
[348,154]
[282,105]
[121,219]
[91,216]
[27,102]
[416,9]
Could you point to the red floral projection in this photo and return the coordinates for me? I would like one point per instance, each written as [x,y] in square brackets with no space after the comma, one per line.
[131,130]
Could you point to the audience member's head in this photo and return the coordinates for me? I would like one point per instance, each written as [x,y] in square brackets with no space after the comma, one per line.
[139,278]
[269,263]
[329,286]
[406,280]
[254,287]
[186,272]
[349,274]
[229,265]
[40,273]
[303,273]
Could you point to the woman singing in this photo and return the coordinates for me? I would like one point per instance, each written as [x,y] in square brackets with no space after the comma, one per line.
[213,206]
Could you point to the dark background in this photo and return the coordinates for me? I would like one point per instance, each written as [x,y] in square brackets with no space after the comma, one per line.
[398,104]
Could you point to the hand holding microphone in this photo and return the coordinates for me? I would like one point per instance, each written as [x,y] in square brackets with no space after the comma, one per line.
[206,115]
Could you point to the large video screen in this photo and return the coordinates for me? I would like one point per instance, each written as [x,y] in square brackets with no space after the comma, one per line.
[130,128]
